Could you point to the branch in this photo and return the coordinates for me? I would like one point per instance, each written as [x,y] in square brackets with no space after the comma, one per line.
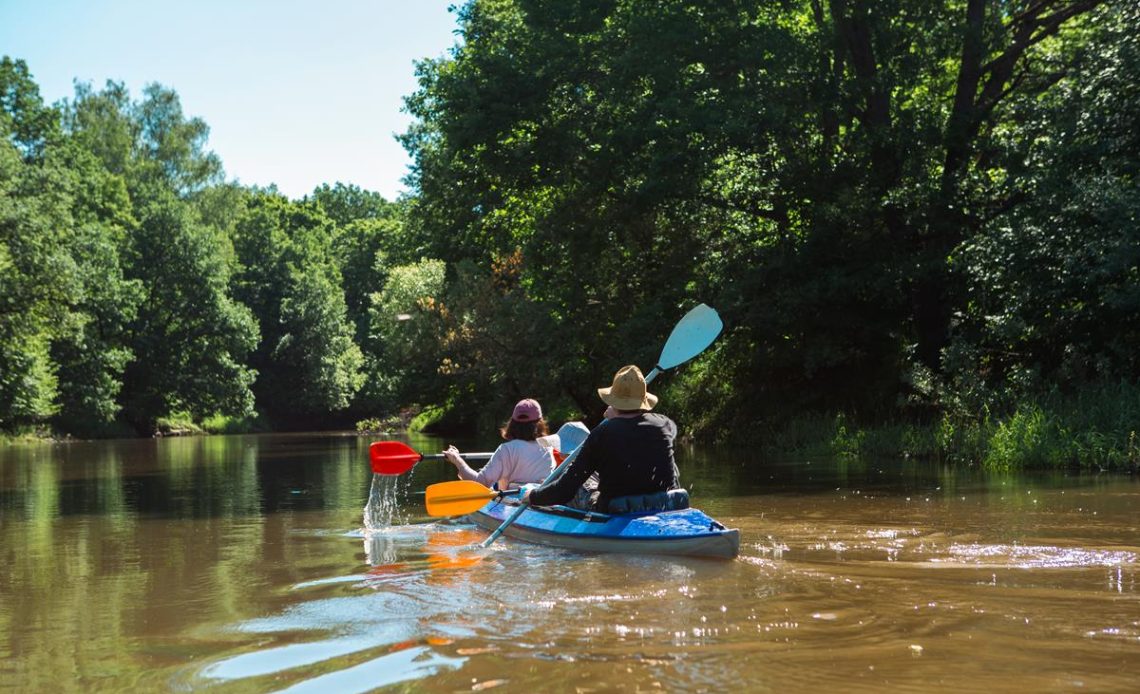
[1031,30]
[856,34]
[997,77]
[722,204]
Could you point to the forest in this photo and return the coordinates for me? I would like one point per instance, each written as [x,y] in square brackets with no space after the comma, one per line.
[918,220]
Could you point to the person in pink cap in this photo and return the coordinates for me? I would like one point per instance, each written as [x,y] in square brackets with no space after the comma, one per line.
[526,457]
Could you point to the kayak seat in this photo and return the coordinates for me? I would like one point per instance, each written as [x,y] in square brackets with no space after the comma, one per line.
[672,500]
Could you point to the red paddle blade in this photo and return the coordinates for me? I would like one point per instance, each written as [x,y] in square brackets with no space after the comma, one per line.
[392,457]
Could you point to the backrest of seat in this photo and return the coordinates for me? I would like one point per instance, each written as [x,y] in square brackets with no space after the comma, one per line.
[672,500]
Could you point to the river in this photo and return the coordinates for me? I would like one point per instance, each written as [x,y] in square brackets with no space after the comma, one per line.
[242,564]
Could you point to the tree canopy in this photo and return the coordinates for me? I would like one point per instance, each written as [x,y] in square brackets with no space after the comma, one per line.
[899,208]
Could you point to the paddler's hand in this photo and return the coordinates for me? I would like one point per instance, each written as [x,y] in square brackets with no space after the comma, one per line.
[452,455]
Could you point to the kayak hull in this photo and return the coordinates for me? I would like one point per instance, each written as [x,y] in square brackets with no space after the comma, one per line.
[687,532]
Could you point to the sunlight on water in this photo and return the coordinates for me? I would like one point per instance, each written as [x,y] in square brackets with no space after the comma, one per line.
[383,507]
[1033,557]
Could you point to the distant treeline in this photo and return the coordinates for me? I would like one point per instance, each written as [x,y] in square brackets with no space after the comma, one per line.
[905,211]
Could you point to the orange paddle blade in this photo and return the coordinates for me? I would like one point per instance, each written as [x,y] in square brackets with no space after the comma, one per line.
[456,498]
[392,457]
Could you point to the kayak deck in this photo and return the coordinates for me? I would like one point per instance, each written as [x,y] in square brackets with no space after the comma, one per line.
[687,532]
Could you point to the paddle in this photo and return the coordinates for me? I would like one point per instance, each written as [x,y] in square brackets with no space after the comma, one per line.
[395,458]
[691,336]
[459,498]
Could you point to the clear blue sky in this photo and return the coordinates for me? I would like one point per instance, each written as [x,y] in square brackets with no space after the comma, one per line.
[295,93]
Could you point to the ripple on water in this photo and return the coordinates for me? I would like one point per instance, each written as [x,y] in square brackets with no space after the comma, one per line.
[1031,557]
[361,631]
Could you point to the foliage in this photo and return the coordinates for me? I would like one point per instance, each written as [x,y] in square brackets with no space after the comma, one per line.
[404,322]
[1095,428]
[918,221]
[194,336]
[386,425]
[37,276]
[307,361]
[176,424]
[846,183]
[223,424]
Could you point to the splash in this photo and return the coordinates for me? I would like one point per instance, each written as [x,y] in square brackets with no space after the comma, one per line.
[383,508]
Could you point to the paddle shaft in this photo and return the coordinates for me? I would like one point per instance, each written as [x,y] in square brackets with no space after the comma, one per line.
[553,474]
[465,456]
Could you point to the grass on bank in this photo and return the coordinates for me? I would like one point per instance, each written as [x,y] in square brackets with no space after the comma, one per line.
[1096,429]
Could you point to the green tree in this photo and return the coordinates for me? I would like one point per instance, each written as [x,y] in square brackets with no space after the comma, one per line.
[367,238]
[38,276]
[69,303]
[307,359]
[406,317]
[1054,278]
[191,339]
[24,119]
[808,167]
[344,203]
[93,351]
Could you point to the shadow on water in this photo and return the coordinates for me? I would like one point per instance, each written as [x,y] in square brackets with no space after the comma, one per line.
[246,564]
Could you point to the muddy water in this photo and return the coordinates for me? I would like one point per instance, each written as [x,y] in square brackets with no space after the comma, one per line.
[244,564]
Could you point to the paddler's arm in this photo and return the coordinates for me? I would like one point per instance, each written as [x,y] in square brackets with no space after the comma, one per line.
[487,476]
[563,489]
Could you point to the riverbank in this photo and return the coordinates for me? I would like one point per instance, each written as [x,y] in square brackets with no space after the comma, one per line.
[1096,429]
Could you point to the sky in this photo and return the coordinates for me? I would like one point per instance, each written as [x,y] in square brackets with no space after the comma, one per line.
[295,93]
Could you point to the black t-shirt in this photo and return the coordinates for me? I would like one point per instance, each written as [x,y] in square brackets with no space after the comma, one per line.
[631,456]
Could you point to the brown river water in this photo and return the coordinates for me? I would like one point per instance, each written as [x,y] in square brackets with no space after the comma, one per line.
[248,564]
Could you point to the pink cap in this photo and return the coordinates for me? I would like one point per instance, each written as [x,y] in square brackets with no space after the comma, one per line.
[527,411]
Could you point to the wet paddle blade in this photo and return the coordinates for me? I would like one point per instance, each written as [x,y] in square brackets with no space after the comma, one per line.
[695,332]
[456,498]
[392,457]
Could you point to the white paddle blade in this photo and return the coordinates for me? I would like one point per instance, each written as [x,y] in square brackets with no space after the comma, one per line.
[695,332]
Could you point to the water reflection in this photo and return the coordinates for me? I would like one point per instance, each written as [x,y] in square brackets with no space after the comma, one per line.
[246,564]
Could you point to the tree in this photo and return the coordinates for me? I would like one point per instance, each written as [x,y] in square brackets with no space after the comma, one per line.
[308,363]
[191,339]
[405,316]
[37,273]
[1053,276]
[24,119]
[368,237]
[809,167]
[94,348]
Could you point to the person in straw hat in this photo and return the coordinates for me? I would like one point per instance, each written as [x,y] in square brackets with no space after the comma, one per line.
[631,452]
[527,456]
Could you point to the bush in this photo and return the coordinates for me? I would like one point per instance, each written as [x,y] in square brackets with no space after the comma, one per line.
[224,424]
[176,424]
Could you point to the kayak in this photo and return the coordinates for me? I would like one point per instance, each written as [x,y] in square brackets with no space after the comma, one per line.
[685,532]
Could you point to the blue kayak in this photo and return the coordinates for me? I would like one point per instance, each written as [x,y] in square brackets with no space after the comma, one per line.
[686,532]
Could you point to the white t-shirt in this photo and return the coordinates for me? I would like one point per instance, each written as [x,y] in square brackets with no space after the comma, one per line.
[517,462]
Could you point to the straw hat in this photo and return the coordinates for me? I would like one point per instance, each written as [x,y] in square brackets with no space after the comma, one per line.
[628,391]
